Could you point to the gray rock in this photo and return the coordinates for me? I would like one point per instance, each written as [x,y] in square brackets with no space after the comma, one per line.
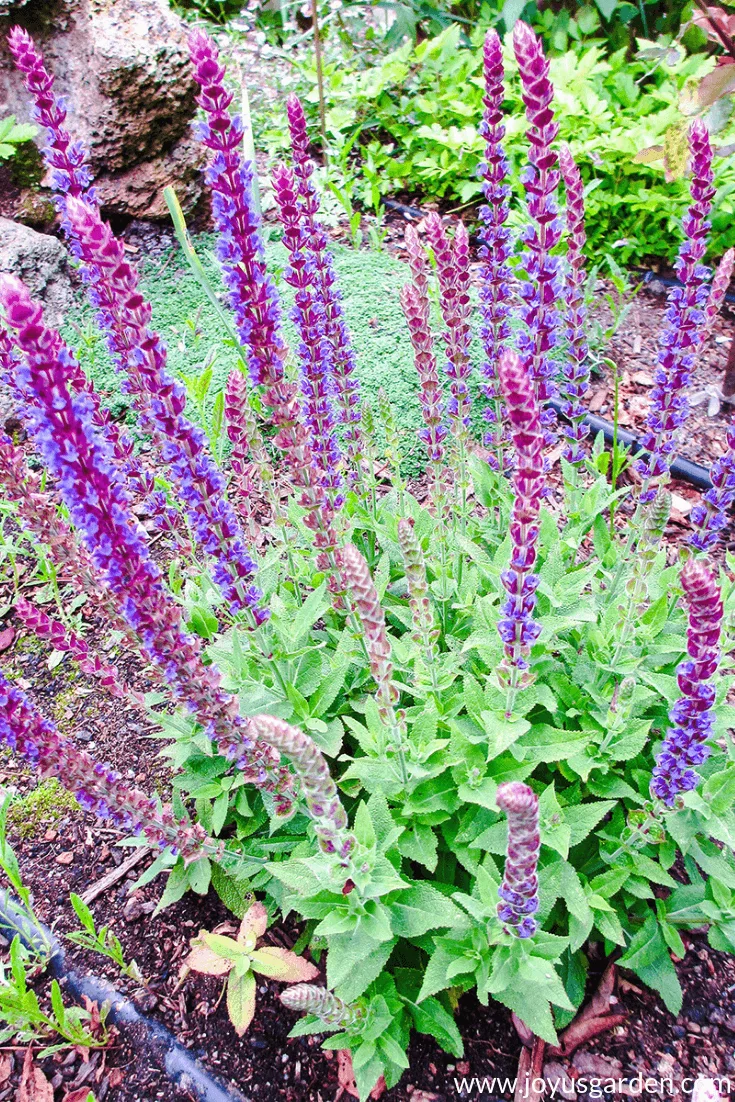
[123,69]
[41,262]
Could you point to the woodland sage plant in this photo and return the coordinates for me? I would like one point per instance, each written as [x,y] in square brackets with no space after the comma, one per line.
[461,733]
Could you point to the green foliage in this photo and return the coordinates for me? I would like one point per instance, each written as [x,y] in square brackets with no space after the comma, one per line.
[418,919]
[102,941]
[411,119]
[12,135]
[43,806]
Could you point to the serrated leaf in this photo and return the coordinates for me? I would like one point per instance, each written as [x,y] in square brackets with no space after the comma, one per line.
[422,908]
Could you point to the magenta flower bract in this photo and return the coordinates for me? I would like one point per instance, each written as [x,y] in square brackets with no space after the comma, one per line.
[314,350]
[452,261]
[692,716]
[541,291]
[495,274]
[517,628]
[65,157]
[252,292]
[576,366]
[343,362]
[685,318]
[81,460]
[519,890]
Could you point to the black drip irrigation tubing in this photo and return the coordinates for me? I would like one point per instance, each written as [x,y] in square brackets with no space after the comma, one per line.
[681,467]
[149,1037]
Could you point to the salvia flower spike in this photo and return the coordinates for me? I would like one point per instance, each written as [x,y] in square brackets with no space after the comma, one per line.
[323,1004]
[424,627]
[495,273]
[97,787]
[685,319]
[692,717]
[517,628]
[320,791]
[452,261]
[54,632]
[717,291]
[81,460]
[343,359]
[519,890]
[314,350]
[161,401]
[251,289]
[360,586]
[540,293]
[576,369]
[65,157]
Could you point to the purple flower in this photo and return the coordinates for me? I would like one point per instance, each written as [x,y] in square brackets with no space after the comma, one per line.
[252,292]
[65,157]
[576,367]
[452,261]
[98,788]
[517,628]
[415,303]
[343,362]
[80,458]
[519,890]
[717,291]
[160,399]
[495,273]
[685,318]
[541,291]
[692,715]
[314,350]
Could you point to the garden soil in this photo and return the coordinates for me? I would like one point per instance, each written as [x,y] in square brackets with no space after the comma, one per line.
[61,850]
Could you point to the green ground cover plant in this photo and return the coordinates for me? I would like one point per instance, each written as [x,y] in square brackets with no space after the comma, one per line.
[407,123]
[459,734]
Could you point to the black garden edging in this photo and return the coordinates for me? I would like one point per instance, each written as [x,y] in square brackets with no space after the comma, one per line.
[681,467]
[148,1037]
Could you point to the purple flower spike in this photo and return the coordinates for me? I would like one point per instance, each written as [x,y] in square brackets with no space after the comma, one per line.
[343,362]
[685,318]
[453,269]
[576,366]
[81,459]
[518,629]
[160,400]
[692,716]
[717,291]
[495,273]
[65,158]
[519,890]
[252,292]
[415,303]
[97,787]
[541,291]
[314,350]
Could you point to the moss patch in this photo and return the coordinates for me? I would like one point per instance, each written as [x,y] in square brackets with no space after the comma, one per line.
[42,808]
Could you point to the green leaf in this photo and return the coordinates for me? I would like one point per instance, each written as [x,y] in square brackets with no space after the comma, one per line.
[419,843]
[354,961]
[648,956]
[532,1007]
[421,908]
[545,744]
[719,790]
[431,1017]
[199,875]
[583,818]
[241,1000]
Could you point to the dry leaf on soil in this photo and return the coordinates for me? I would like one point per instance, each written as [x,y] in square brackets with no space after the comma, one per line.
[34,1086]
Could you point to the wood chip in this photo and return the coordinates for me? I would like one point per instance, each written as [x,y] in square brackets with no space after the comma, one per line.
[65,858]
[112,877]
